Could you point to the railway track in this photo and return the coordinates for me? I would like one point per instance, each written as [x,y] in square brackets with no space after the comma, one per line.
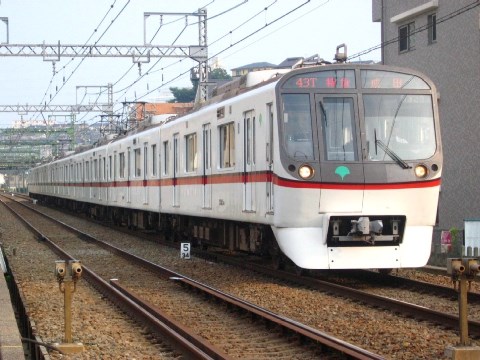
[186,339]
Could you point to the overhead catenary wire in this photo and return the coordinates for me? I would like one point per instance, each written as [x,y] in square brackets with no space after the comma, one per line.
[386,43]
[149,71]
[230,46]
[83,58]
[440,20]
[72,59]
[449,16]
[130,68]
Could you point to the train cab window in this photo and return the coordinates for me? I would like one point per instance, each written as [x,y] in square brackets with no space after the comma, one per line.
[227,145]
[400,126]
[190,152]
[137,162]
[338,124]
[297,126]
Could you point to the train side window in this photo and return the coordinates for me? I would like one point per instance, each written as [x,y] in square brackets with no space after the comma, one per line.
[137,162]
[165,164]
[129,163]
[154,159]
[110,168]
[104,166]
[176,155]
[227,145]
[95,169]
[145,160]
[122,165]
[191,152]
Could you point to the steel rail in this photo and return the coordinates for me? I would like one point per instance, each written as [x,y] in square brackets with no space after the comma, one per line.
[290,325]
[396,306]
[439,290]
[190,347]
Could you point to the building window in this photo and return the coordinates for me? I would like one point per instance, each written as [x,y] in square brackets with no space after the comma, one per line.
[227,145]
[432,28]
[406,37]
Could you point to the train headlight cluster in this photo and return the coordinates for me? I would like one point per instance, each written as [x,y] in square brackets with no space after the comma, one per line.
[421,171]
[306,172]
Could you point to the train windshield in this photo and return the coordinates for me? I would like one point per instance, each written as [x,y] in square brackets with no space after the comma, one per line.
[399,125]
[297,125]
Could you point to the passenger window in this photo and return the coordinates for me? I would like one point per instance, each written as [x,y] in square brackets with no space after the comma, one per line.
[227,145]
[137,162]
[154,160]
[165,164]
[191,152]
[122,165]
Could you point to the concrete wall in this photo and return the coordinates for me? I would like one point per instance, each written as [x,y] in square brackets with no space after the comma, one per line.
[453,63]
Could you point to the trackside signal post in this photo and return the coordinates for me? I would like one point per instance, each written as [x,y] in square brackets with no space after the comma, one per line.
[67,276]
[463,270]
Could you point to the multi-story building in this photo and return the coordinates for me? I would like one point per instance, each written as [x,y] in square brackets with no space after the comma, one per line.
[441,38]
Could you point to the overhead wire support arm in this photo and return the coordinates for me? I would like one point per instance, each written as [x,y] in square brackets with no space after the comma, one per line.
[54,52]
[25,109]
[198,52]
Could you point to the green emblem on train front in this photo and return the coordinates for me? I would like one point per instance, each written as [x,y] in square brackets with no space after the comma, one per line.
[342,171]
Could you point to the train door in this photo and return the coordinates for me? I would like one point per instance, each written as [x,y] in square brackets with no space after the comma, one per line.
[176,169]
[207,166]
[340,153]
[249,161]
[270,147]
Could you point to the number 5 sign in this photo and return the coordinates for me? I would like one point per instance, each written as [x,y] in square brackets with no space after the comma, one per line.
[185,251]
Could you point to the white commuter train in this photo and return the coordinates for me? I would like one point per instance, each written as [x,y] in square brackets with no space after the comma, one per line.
[333,166]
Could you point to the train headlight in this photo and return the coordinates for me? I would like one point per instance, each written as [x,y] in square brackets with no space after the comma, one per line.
[306,172]
[421,171]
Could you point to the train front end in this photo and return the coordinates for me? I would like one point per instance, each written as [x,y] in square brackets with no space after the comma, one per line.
[360,162]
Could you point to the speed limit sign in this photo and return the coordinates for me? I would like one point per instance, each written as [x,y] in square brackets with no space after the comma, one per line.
[185,251]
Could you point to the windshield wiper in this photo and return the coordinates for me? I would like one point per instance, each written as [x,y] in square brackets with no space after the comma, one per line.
[324,113]
[390,153]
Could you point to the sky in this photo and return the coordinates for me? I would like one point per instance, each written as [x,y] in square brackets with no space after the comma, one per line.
[241,32]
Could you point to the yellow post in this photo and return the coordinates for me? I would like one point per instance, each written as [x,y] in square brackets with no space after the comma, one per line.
[67,295]
[67,276]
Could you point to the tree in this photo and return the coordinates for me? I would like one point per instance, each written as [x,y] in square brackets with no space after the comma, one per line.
[185,95]
[219,74]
